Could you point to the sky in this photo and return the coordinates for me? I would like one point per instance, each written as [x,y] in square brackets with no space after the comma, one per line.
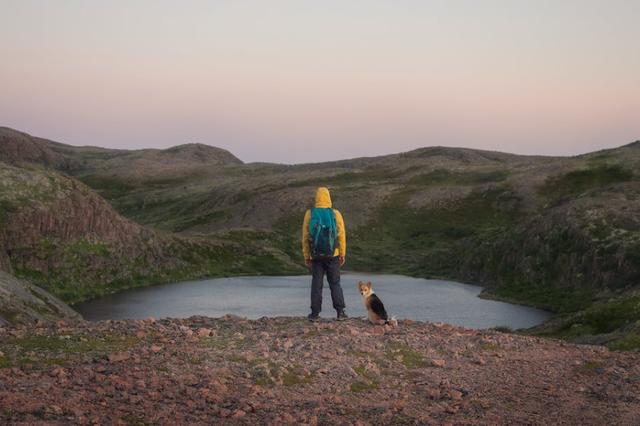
[293,81]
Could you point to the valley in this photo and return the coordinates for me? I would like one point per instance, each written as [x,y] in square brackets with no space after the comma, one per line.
[560,233]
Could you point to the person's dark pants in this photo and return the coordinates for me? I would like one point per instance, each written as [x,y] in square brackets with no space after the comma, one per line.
[331,267]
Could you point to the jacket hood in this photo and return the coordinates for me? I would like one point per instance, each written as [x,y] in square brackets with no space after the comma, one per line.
[323,199]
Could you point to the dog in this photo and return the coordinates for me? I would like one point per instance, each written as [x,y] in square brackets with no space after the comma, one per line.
[375,308]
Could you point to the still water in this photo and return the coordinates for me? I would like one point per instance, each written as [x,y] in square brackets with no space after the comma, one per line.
[255,297]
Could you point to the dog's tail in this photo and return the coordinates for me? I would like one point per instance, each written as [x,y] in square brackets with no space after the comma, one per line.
[393,322]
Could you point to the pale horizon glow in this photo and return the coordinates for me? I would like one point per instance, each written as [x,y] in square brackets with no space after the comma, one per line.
[304,81]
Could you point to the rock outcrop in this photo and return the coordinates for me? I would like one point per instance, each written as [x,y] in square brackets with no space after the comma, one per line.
[24,303]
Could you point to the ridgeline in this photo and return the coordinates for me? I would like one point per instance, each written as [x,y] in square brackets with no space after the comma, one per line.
[561,233]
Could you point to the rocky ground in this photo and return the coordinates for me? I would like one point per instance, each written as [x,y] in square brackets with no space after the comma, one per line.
[289,371]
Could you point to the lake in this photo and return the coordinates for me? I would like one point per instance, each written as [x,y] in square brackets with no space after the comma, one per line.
[255,297]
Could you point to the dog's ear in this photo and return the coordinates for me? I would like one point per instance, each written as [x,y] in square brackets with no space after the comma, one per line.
[369,283]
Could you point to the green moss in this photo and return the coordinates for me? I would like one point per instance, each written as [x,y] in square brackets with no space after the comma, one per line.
[365,176]
[360,354]
[601,318]
[265,264]
[4,362]
[608,317]
[134,420]
[84,247]
[199,220]
[409,357]
[590,367]
[360,370]
[311,334]
[542,294]
[73,344]
[42,351]
[296,376]
[430,242]
[237,358]
[487,346]
[216,342]
[264,371]
[447,177]
[108,187]
[6,208]
[630,342]
[579,181]
[10,315]
[362,386]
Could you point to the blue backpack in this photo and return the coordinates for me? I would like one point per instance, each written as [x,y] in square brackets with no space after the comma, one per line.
[322,232]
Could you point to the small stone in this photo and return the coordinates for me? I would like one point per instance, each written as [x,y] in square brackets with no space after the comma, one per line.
[191,380]
[56,409]
[204,332]
[155,348]
[438,362]
[239,413]
[118,356]
[58,372]
[455,395]
[452,409]
[288,418]
[378,331]
[433,393]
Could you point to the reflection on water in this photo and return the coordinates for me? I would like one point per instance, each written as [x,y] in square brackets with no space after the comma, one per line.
[255,297]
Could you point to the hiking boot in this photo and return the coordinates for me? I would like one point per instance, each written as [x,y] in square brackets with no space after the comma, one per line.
[342,315]
[313,317]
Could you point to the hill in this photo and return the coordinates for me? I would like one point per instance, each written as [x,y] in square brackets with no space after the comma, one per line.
[20,148]
[562,233]
[289,371]
[58,233]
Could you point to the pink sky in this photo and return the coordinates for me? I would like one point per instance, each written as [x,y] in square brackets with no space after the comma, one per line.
[297,81]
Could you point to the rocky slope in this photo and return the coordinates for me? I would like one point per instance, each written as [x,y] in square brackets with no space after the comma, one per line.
[25,303]
[289,371]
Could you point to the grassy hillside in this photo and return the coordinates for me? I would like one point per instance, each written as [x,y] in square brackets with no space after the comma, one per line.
[561,233]
[59,234]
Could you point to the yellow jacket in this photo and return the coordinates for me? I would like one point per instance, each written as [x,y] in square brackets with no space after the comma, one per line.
[323,200]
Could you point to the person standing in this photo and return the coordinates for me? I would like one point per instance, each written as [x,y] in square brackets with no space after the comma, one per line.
[324,246]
